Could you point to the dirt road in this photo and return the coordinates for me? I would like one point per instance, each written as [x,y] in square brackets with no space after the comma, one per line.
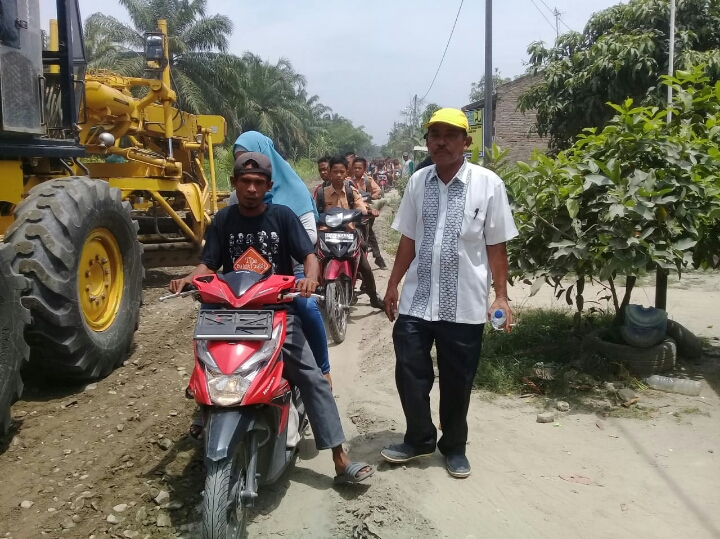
[89,461]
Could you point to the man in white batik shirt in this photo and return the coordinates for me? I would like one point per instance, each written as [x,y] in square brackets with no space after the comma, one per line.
[455,220]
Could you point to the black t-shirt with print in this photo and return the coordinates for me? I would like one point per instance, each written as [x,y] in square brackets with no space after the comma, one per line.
[277,234]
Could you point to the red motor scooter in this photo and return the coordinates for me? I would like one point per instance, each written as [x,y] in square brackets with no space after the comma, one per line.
[253,417]
[339,250]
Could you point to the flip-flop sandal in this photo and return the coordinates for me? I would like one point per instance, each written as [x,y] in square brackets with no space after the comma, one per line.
[350,475]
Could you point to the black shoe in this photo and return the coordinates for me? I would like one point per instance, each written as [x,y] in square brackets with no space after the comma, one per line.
[376,302]
[380,263]
[458,466]
[402,453]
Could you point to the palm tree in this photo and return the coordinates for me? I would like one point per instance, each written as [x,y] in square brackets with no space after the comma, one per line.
[270,101]
[204,75]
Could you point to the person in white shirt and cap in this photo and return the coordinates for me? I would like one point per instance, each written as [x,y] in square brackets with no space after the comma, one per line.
[455,220]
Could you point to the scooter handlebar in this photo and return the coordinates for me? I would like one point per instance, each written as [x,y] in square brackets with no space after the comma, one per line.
[187,290]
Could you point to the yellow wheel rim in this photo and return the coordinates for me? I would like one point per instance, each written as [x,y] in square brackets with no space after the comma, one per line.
[100,279]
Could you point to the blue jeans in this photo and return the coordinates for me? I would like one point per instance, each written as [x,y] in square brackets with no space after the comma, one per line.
[314,328]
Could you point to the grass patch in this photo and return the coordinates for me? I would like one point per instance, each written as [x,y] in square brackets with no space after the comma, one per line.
[391,240]
[692,410]
[632,413]
[541,336]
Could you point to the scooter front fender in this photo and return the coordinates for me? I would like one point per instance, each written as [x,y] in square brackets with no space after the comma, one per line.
[224,429]
[336,268]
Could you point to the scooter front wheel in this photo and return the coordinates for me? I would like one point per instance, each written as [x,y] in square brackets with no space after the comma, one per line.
[224,514]
[337,307]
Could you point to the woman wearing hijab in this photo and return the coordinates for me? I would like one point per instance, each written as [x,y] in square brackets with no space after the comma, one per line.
[289,190]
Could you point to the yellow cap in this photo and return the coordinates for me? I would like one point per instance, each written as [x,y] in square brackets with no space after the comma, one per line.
[454,117]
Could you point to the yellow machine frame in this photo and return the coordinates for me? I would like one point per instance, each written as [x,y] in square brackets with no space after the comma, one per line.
[158,156]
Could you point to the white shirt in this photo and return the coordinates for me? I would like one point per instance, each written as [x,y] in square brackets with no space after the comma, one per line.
[449,279]
[406,168]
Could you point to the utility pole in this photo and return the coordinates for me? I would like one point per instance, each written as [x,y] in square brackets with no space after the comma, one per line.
[557,22]
[488,116]
[412,124]
[662,274]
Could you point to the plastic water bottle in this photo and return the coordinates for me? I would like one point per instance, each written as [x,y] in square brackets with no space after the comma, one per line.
[498,319]
[674,385]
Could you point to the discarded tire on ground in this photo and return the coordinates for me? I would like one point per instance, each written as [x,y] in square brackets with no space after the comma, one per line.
[13,350]
[639,361]
[75,241]
[688,345]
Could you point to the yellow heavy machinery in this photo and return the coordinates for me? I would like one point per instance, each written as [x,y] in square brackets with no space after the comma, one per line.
[100,175]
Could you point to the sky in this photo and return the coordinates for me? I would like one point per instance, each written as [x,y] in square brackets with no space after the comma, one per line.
[367,59]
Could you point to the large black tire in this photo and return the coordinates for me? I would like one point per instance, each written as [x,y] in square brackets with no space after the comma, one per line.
[639,361]
[336,309]
[48,236]
[13,320]
[224,517]
[688,345]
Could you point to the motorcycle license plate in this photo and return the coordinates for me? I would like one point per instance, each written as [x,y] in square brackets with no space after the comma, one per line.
[233,325]
[337,237]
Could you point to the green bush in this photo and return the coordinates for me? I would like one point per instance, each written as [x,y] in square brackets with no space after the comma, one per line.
[638,195]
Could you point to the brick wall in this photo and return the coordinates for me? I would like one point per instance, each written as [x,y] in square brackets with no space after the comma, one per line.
[512,127]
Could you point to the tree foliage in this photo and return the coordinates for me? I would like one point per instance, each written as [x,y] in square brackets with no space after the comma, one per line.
[408,133]
[636,195]
[251,93]
[477,90]
[621,54]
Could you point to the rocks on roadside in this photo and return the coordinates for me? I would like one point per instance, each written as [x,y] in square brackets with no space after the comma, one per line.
[120,508]
[141,515]
[130,534]
[627,397]
[26,504]
[162,497]
[112,519]
[165,443]
[546,417]
[163,521]
[562,406]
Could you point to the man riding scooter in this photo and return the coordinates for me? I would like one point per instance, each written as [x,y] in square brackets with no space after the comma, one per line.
[277,234]
[342,194]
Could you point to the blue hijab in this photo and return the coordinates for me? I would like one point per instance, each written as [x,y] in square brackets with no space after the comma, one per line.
[288,189]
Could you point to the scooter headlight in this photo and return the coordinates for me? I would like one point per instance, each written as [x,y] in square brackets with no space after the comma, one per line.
[226,390]
[334,220]
[230,389]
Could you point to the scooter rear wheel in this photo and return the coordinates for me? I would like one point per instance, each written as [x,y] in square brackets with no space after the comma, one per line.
[224,515]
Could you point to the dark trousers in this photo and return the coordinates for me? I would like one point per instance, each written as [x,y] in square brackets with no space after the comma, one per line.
[458,354]
[373,242]
[367,275]
[301,369]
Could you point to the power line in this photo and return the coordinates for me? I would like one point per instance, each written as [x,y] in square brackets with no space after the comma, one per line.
[543,14]
[444,53]
[556,14]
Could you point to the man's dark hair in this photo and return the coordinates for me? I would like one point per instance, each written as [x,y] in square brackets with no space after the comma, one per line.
[361,160]
[348,154]
[338,160]
[324,159]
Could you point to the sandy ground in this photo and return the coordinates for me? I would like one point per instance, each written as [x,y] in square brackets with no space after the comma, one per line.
[83,454]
